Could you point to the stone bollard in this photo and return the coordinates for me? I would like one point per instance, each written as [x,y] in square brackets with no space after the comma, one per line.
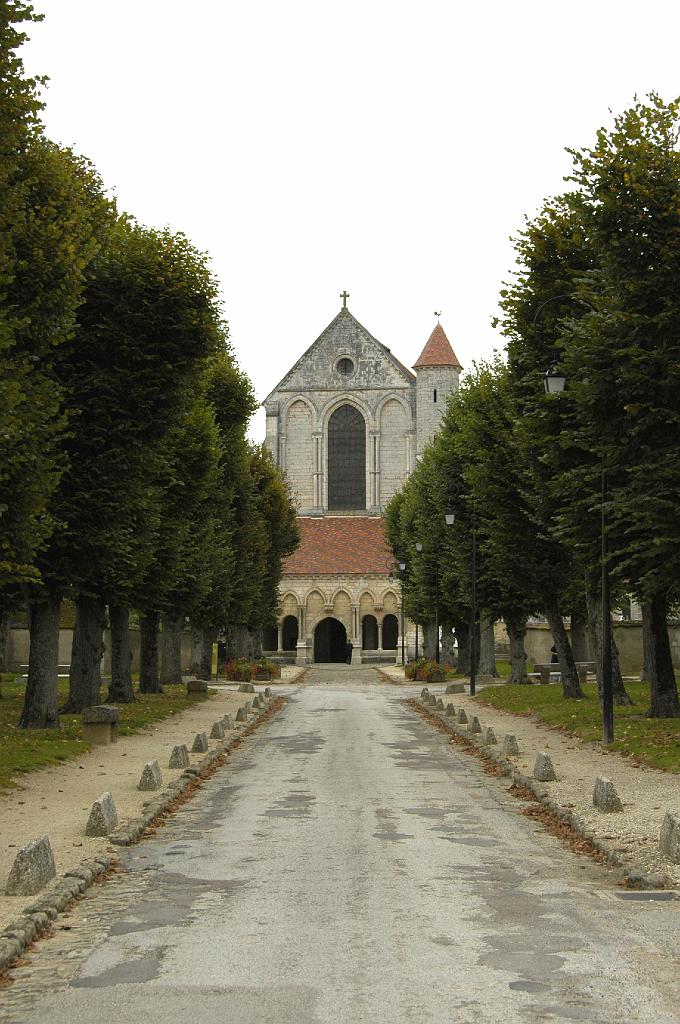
[424,692]
[258,702]
[32,869]
[100,724]
[200,743]
[455,688]
[510,745]
[197,687]
[489,736]
[605,797]
[669,840]
[440,705]
[450,711]
[179,758]
[103,817]
[246,688]
[151,776]
[543,767]
[461,717]
[268,692]
[473,725]
[217,731]
[242,714]
[226,722]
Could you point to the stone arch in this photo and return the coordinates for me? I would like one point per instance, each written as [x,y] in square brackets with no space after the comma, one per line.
[342,608]
[395,426]
[366,604]
[346,447]
[330,640]
[298,462]
[390,602]
[390,632]
[315,606]
[369,633]
[289,604]
[290,631]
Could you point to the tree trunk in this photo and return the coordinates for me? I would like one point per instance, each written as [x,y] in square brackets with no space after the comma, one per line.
[85,676]
[149,681]
[448,650]
[197,652]
[570,681]
[171,648]
[487,646]
[4,644]
[120,689]
[578,637]
[40,703]
[664,691]
[430,639]
[646,674]
[462,631]
[205,665]
[594,611]
[517,629]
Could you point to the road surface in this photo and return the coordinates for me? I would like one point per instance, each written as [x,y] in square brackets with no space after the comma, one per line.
[349,864]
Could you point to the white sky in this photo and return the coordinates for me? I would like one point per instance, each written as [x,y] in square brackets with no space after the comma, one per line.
[309,146]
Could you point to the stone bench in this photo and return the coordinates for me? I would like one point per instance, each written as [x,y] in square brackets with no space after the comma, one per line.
[100,724]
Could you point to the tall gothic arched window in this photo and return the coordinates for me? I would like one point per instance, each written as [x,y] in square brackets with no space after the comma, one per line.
[346,460]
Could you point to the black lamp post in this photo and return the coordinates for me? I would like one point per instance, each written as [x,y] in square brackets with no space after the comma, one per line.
[554,383]
[402,570]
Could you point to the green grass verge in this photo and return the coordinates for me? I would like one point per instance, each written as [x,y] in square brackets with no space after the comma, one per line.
[25,750]
[650,741]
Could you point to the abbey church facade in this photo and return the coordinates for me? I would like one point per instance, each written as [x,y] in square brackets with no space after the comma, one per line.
[346,426]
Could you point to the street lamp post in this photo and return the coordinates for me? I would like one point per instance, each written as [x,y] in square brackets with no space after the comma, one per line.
[402,569]
[554,383]
[419,548]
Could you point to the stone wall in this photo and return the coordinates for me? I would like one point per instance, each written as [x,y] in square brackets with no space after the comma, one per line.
[628,636]
[432,381]
[19,644]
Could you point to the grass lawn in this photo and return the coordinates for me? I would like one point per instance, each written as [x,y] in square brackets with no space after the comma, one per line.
[24,750]
[651,741]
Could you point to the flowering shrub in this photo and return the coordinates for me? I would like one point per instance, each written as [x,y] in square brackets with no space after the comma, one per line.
[241,670]
[427,671]
[238,670]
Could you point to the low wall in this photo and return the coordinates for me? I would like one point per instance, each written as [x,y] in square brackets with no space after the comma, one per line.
[19,644]
[628,636]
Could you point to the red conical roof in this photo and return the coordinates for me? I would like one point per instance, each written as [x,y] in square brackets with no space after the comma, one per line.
[437,352]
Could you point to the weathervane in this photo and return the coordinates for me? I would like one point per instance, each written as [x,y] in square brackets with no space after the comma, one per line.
[437,314]
[344,296]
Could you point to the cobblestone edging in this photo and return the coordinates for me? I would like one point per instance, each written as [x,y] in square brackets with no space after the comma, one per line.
[36,918]
[635,876]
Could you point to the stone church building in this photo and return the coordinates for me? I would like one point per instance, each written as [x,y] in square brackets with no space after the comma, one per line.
[346,425]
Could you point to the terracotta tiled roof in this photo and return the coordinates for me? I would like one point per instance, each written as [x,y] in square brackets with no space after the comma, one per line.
[438,351]
[340,544]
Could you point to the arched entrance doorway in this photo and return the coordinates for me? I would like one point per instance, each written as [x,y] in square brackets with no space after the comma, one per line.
[369,633]
[289,633]
[390,633]
[330,640]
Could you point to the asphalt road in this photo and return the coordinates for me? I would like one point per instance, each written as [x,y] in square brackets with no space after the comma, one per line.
[350,865]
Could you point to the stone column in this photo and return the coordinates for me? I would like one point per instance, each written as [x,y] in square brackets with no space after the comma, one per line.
[282,452]
[280,640]
[374,464]
[380,635]
[317,441]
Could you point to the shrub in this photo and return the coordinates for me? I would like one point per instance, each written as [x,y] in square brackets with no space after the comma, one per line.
[238,670]
[427,671]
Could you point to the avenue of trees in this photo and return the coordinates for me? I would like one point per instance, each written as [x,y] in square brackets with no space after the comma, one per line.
[126,480]
[596,297]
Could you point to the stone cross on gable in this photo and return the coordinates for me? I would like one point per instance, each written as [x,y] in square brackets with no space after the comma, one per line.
[344,296]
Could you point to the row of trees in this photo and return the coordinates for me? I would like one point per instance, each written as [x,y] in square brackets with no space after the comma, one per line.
[596,296]
[126,480]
